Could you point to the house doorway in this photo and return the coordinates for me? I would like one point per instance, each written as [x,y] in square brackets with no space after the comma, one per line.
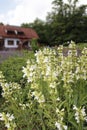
[1,44]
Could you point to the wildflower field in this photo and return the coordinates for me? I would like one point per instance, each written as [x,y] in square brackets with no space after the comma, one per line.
[54,95]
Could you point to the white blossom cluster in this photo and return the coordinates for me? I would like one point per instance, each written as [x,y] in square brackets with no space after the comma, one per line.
[52,67]
[2,78]
[38,96]
[9,120]
[9,89]
[80,114]
[24,106]
[59,123]
[60,126]
[42,70]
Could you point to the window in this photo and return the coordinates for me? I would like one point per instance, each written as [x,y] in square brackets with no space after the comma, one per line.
[10,32]
[10,42]
[20,33]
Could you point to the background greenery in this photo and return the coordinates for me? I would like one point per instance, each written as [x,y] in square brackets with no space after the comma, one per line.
[66,22]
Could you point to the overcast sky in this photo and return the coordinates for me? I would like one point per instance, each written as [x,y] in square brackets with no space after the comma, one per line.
[16,12]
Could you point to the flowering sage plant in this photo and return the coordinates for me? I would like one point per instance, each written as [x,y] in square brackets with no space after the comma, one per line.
[54,96]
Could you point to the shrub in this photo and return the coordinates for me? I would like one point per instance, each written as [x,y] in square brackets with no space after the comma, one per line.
[12,67]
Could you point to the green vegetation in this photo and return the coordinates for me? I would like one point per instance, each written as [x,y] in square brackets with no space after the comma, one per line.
[12,67]
[54,95]
[34,45]
[81,45]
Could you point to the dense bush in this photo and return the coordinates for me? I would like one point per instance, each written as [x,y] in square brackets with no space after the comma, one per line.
[55,96]
[12,67]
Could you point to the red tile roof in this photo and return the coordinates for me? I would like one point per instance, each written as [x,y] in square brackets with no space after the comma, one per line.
[18,32]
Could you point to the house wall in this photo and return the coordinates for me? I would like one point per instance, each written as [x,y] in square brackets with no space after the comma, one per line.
[14,45]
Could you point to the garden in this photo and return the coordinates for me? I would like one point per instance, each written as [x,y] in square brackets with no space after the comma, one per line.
[45,90]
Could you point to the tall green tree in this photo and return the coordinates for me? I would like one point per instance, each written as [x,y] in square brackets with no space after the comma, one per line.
[68,21]
[41,28]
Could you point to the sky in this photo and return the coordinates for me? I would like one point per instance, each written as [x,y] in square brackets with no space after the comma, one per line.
[16,12]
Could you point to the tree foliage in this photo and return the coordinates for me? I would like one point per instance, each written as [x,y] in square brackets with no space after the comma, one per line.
[66,22]
[40,27]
